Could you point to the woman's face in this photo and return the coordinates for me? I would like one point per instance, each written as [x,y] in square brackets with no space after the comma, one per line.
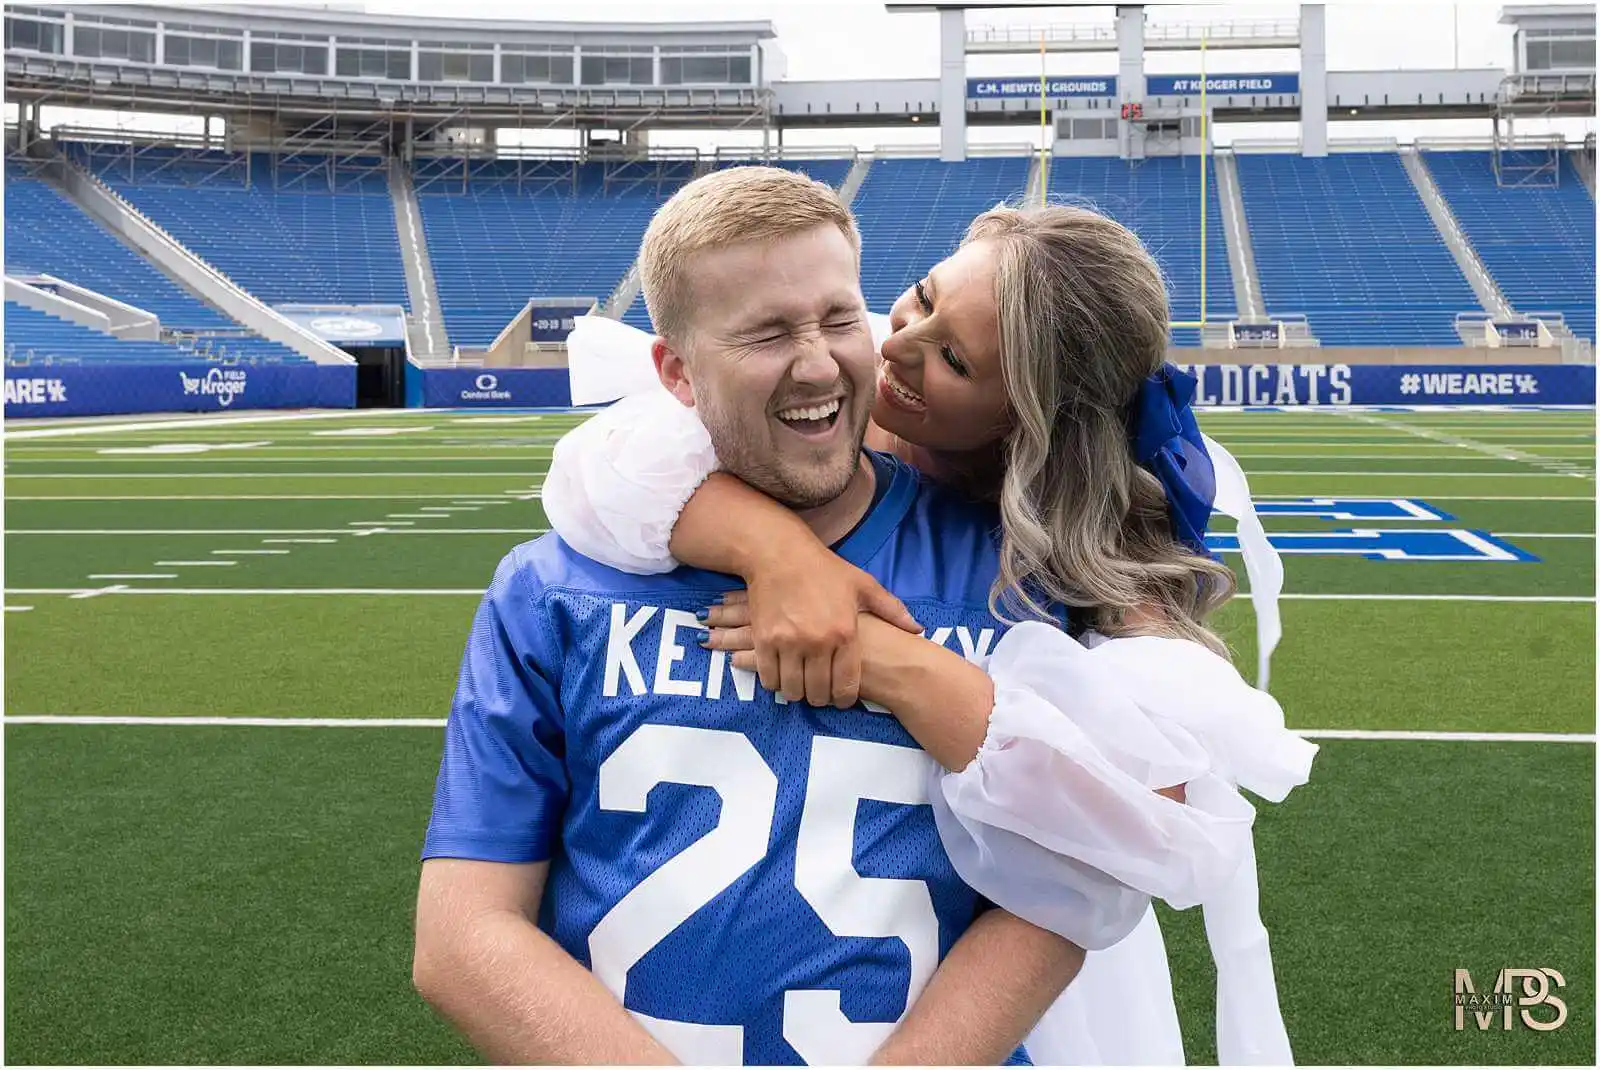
[940,385]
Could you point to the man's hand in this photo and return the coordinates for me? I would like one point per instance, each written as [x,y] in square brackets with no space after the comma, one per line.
[800,618]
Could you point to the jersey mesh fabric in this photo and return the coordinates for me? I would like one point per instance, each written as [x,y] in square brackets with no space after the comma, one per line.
[570,660]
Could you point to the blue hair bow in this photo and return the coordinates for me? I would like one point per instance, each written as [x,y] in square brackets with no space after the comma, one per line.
[1167,442]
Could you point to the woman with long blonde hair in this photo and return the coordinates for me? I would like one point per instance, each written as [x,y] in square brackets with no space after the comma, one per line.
[1027,370]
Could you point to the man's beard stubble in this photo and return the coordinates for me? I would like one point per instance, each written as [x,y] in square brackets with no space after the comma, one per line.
[754,459]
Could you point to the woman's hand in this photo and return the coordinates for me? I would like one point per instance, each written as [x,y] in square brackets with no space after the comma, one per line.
[797,626]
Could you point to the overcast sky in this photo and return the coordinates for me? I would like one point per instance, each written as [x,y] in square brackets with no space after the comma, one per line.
[849,39]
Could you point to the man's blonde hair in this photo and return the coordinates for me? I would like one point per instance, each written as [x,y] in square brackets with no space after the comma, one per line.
[728,207]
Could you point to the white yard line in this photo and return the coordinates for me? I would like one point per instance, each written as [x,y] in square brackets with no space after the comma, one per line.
[180,425]
[1447,737]
[1488,450]
[1312,472]
[476,592]
[133,575]
[231,722]
[97,592]
[1554,598]
[259,553]
[201,458]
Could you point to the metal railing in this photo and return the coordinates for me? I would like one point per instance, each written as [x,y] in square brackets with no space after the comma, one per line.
[729,153]
[1004,148]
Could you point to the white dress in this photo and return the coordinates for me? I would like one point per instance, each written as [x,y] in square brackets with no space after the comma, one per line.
[1055,819]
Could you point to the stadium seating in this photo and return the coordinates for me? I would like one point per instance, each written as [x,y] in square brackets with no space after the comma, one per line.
[31,334]
[1537,242]
[1158,199]
[280,233]
[912,213]
[48,234]
[561,229]
[1345,240]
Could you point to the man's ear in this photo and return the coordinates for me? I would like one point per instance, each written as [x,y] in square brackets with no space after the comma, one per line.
[672,370]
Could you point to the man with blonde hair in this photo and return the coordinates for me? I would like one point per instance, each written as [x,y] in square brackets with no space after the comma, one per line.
[639,855]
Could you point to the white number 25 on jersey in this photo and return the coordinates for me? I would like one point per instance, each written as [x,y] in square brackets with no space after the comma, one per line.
[843,772]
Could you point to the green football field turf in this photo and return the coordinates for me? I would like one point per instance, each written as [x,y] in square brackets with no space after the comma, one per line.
[242,893]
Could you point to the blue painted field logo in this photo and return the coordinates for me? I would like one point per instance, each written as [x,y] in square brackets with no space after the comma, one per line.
[222,383]
[1505,998]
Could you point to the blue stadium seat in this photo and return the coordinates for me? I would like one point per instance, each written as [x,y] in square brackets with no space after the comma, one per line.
[1346,240]
[286,228]
[912,213]
[560,229]
[36,334]
[1159,200]
[1537,242]
[46,232]
[831,172]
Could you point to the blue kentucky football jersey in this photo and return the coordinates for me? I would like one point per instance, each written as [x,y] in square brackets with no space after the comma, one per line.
[759,882]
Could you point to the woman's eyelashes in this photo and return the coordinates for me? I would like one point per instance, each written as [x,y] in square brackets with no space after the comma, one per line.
[956,364]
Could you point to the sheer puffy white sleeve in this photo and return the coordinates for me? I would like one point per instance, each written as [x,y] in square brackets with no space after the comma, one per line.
[1057,819]
[618,481]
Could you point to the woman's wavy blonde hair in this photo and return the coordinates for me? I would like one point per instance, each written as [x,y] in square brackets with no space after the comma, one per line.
[1083,322]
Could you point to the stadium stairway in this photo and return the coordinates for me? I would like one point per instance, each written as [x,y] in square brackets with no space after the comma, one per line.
[1490,299]
[1345,240]
[1537,242]
[1241,253]
[291,228]
[425,320]
[1583,164]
